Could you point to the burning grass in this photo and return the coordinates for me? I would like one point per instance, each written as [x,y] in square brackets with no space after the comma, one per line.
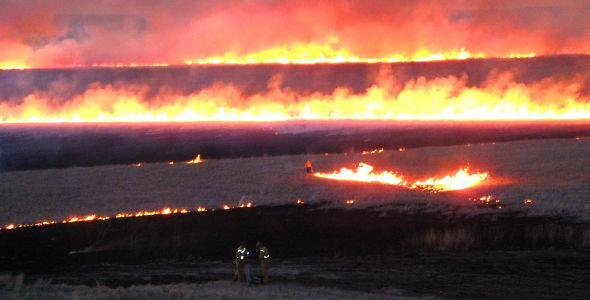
[364,173]
[93,217]
[196,160]
[558,186]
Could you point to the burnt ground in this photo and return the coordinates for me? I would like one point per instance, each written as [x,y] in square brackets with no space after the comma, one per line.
[492,255]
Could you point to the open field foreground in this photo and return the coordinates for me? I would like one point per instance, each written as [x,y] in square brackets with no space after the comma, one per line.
[552,173]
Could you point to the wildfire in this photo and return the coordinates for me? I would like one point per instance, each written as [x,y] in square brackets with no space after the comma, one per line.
[143,213]
[196,160]
[374,151]
[459,181]
[245,205]
[364,173]
[349,202]
[327,53]
[488,201]
[81,219]
[6,65]
[301,53]
[444,98]
[299,202]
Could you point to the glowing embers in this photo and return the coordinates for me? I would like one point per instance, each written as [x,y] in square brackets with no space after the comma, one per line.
[247,204]
[374,151]
[488,201]
[364,173]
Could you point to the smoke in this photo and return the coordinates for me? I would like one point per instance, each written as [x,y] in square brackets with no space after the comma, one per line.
[66,33]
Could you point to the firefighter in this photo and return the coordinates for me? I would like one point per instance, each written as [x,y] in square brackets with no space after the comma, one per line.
[241,256]
[308,167]
[264,258]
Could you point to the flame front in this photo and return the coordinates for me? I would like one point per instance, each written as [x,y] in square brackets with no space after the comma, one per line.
[299,53]
[143,213]
[459,181]
[364,173]
[446,98]
[328,53]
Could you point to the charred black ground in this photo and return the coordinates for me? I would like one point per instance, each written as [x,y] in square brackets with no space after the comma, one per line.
[421,251]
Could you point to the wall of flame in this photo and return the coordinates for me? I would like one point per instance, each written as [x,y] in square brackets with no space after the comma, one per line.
[500,97]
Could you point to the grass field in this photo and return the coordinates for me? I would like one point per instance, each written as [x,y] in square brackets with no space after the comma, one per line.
[551,172]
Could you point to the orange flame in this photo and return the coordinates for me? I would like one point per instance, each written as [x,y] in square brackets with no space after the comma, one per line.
[374,151]
[299,53]
[7,65]
[94,217]
[76,219]
[196,160]
[447,98]
[488,201]
[326,53]
[459,181]
[246,205]
[364,173]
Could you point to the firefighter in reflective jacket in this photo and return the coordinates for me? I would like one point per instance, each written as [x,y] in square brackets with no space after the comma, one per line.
[241,257]
[308,167]
[264,258]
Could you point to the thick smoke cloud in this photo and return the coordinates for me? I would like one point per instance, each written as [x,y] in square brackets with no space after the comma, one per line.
[65,33]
